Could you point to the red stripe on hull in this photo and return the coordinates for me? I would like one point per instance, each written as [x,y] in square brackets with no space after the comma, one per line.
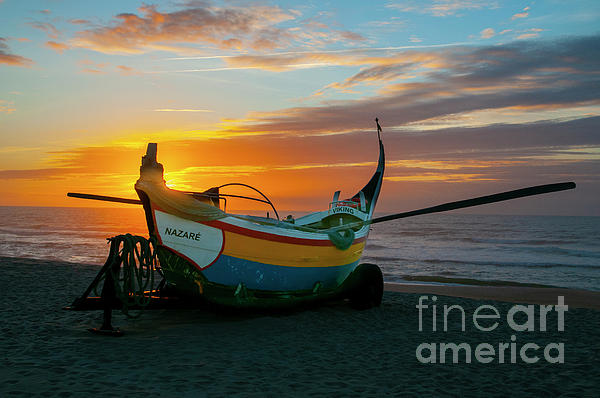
[263,235]
[273,237]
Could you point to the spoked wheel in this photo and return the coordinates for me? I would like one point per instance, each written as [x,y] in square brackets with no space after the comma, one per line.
[369,287]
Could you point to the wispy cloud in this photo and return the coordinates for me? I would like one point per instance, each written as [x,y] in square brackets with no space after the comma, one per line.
[197,26]
[349,57]
[487,33]
[91,67]
[390,25]
[507,155]
[351,36]
[528,36]
[441,8]
[127,70]
[79,21]
[234,27]
[182,110]
[440,177]
[523,14]
[58,47]
[32,174]
[311,54]
[51,31]
[7,58]
[559,73]
[6,106]
[18,149]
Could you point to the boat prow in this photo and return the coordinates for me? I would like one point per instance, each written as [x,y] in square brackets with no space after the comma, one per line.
[238,260]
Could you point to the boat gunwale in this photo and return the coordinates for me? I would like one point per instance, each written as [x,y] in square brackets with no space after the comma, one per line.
[271,232]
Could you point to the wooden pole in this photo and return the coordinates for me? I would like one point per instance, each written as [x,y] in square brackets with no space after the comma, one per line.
[104,198]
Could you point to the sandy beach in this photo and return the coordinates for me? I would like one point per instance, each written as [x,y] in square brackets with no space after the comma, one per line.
[574,298]
[328,351]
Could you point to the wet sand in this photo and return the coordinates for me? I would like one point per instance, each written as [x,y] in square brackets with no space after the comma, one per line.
[328,351]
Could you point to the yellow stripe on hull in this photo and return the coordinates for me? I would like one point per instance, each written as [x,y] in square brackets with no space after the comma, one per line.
[289,254]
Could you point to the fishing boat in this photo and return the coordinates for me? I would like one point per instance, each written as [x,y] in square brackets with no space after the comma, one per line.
[247,261]
[244,260]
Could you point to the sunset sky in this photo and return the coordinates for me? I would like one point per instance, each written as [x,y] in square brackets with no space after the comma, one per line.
[474,97]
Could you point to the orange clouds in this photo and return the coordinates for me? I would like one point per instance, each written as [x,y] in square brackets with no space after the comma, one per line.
[6,107]
[451,82]
[7,58]
[101,68]
[437,177]
[523,14]
[91,67]
[50,29]
[58,47]
[126,70]
[351,36]
[183,110]
[440,8]
[301,172]
[449,170]
[528,36]
[195,27]
[487,33]
[450,7]
[193,165]
[234,27]
[355,57]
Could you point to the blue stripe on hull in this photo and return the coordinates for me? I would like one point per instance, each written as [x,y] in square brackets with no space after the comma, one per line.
[231,271]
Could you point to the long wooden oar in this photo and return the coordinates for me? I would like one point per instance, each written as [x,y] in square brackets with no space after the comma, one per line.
[139,202]
[481,200]
[104,198]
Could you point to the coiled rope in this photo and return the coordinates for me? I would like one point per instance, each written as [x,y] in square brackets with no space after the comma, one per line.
[133,262]
[342,239]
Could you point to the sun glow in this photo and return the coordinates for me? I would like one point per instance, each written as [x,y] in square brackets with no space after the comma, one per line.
[434,177]
[284,98]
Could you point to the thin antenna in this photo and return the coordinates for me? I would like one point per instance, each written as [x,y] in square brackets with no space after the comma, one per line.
[378,129]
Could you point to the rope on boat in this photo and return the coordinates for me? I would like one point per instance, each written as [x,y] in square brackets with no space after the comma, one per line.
[341,239]
[134,262]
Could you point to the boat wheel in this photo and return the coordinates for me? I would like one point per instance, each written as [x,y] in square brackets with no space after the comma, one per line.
[369,291]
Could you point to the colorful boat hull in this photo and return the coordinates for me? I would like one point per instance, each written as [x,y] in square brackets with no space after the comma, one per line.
[245,261]
[230,251]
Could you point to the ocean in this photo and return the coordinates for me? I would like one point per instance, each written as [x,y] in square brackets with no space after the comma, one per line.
[550,250]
